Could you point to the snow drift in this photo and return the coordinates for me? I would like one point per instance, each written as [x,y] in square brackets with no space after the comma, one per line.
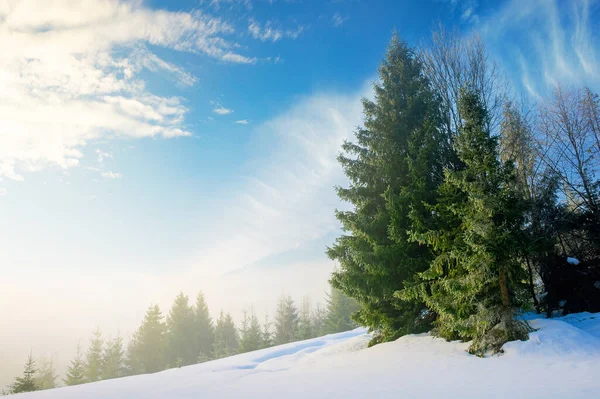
[560,360]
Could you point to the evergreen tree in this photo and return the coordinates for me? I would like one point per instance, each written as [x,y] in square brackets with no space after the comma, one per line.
[286,321]
[46,375]
[93,358]
[318,316]
[226,337]
[251,336]
[204,330]
[474,284]
[182,347]
[305,321]
[113,359]
[394,166]
[76,370]
[267,334]
[146,351]
[27,382]
[339,311]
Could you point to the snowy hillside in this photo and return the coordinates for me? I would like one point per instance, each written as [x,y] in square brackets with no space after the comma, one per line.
[561,360]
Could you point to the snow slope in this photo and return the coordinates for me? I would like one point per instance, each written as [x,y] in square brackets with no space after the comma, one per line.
[560,360]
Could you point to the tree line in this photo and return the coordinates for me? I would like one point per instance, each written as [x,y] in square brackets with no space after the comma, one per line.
[467,207]
[189,335]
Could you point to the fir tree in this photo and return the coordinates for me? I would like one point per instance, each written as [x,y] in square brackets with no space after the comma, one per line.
[251,336]
[46,375]
[93,358]
[305,321]
[286,321]
[474,284]
[267,334]
[339,311]
[76,370]
[394,167]
[182,349]
[226,337]
[27,382]
[204,330]
[113,359]
[318,316]
[146,351]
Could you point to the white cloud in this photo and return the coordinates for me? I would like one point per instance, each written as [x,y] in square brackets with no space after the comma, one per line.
[3,191]
[269,33]
[555,42]
[337,20]
[243,122]
[69,72]
[102,156]
[111,175]
[222,110]
[219,109]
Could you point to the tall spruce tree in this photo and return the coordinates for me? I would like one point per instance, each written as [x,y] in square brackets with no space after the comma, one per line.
[76,370]
[27,382]
[286,321]
[226,337]
[182,349]
[251,337]
[113,359]
[93,358]
[46,374]
[146,351]
[394,167]
[474,284]
[204,330]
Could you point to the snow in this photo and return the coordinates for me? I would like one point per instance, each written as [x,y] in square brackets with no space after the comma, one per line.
[560,360]
[572,261]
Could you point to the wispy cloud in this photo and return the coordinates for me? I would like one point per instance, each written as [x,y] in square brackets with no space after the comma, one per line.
[337,20]
[552,43]
[243,122]
[268,32]
[70,74]
[219,109]
[3,191]
[111,175]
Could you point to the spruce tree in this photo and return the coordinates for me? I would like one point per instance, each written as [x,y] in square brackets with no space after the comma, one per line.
[474,284]
[93,358]
[394,167]
[318,316]
[76,370]
[146,351]
[182,348]
[305,321]
[251,336]
[286,321]
[27,382]
[113,359]
[46,375]
[226,337]
[204,330]
[339,311]
[267,333]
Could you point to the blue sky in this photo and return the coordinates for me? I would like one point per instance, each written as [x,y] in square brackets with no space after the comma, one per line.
[148,147]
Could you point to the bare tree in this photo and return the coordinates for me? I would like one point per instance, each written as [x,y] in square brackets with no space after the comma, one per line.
[568,126]
[450,62]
